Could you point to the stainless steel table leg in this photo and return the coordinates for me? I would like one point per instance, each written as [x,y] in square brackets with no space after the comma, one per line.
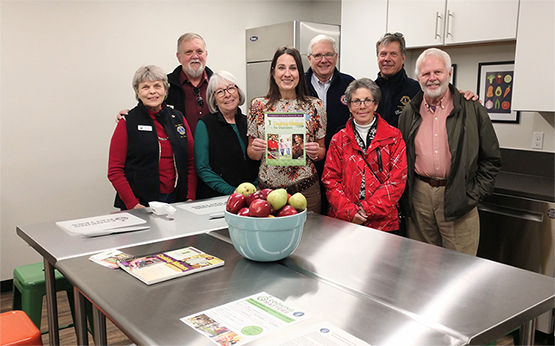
[51,303]
[527,333]
[100,337]
[80,318]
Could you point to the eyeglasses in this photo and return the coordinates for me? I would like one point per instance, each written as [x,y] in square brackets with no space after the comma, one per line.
[396,34]
[358,103]
[232,89]
[200,101]
[319,56]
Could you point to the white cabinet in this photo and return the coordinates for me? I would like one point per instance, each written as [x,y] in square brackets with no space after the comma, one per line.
[534,83]
[444,22]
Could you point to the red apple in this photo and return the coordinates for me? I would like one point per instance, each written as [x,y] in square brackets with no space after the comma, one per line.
[286,211]
[235,202]
[243,211]
[288,196]
[255,195]
[260,208]
[265,193]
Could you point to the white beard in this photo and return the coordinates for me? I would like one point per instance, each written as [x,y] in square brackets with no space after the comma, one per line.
[436,93]
[194,73]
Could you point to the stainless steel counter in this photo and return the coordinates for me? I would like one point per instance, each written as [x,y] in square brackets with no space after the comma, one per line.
[150,315]
[401,291]
[54,244]
[465,297]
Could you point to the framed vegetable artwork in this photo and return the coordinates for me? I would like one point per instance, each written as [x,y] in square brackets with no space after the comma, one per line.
[495,81]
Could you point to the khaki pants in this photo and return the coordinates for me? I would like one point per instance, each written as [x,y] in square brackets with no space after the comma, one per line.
[313,198]
[428,223]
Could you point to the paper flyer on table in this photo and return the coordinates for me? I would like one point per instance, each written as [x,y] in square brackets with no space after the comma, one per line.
[285,138]
[213,205]
[320,334]
[100,223]
[245,320]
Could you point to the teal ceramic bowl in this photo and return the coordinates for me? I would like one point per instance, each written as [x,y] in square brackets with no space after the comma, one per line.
[265,239]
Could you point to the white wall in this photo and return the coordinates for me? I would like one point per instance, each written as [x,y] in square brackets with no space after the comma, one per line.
[66,70]
[467,58]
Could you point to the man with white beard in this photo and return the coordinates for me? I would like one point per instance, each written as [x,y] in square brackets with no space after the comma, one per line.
[453,158]
[188,82]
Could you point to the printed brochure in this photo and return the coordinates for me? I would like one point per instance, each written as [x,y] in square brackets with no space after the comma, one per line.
[110,258]
[245,320]
[168,265]
[285,138]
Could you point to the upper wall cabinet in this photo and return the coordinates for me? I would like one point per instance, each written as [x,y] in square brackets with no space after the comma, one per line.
[534,83]
[430,23]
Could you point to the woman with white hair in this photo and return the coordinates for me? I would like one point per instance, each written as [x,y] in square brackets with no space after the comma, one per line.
[151,151]
[221,140]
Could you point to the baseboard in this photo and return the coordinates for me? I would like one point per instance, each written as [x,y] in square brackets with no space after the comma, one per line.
[6,286]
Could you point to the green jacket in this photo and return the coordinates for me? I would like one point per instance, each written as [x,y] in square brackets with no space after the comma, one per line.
[475,154]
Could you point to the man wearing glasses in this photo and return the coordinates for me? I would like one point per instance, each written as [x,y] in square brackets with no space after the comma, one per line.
[324,81]
[188,82]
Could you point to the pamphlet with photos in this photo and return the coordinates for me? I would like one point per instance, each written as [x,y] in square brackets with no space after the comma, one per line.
[168,265]
[285,138]
[110,258]
[245,320]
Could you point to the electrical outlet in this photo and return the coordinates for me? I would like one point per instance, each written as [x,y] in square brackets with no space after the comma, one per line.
[537,140]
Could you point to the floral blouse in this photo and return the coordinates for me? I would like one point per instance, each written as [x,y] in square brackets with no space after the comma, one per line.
[316,120]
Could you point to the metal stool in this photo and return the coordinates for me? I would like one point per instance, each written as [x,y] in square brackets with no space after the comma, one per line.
[29,288]
[17,329]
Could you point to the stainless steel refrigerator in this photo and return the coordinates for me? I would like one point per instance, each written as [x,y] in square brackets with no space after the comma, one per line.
[262,43]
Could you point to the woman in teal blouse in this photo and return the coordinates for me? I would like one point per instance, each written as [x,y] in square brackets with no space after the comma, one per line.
[221,140]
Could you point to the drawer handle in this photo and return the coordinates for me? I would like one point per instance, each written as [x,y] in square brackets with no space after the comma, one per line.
[519,214]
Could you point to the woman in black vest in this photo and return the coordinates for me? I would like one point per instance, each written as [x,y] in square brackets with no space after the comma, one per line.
[151,152]
[221,140]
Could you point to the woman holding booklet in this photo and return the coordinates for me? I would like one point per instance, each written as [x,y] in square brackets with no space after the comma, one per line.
[288,93]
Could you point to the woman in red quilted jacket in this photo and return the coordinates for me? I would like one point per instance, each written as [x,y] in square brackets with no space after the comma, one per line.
[366,165]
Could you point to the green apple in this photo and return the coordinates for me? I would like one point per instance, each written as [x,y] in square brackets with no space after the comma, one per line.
[277,198]
[245,189]
[298,201]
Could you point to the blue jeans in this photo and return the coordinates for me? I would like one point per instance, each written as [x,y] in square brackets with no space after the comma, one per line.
[167,197]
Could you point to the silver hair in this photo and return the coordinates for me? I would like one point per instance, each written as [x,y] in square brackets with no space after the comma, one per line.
[438,53]
[321,38]
[214,83]
[389,38]
[365,83]
[188,37]
[151,73]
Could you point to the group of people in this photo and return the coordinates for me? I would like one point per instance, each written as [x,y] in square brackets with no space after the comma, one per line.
[375,150]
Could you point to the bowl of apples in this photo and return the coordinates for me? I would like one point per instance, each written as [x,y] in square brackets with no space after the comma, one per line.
[265,225]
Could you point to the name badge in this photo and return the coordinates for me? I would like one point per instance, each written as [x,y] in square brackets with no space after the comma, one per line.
[145,128]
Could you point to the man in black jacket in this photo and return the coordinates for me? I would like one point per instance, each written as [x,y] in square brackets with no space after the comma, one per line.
[188,81]
[325,82]
[397,88]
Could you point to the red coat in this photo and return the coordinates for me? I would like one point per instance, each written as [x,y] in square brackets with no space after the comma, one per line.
[342,176]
